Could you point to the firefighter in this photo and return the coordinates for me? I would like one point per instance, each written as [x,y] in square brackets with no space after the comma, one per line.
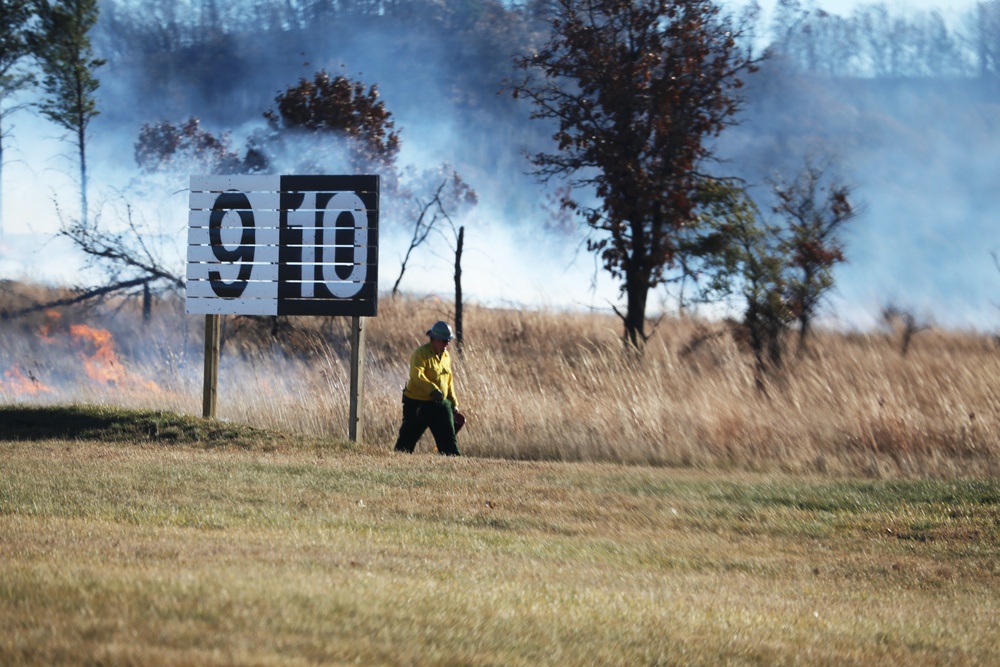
[429,396]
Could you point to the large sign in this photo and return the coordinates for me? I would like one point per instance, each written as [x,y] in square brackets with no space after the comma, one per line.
[283,245]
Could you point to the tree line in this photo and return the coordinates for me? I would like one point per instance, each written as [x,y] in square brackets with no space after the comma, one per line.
[874,41]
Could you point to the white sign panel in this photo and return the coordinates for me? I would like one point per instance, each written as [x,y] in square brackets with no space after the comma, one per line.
[283,245]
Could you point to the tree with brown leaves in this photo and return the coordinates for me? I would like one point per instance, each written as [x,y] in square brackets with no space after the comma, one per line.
[164,146]
[338,105]
[815,208]
[783,268]
[637,90]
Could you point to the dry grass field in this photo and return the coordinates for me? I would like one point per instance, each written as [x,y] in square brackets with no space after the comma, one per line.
[609,510]
[545,385]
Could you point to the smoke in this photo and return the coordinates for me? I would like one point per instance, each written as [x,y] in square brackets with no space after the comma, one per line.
[920,155]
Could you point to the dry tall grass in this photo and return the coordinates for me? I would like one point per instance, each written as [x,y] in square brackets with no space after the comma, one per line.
[555,385]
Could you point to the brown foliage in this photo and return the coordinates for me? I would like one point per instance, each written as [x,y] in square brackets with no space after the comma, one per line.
[337,104]
[650,83]
[815,209]
[161,145]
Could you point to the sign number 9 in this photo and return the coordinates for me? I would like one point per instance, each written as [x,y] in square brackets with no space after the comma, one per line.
[244,252]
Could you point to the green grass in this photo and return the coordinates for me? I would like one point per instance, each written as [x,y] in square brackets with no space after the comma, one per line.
[139,538]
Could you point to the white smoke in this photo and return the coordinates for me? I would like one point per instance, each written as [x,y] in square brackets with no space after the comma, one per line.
[921,159]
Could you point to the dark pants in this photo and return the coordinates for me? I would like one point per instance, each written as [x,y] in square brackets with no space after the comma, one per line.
[418,416]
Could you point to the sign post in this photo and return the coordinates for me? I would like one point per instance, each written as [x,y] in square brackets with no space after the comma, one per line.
[210,398]
[283,245]
[356,423]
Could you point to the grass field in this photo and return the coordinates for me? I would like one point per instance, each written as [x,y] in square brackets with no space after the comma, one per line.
[148,538]
[610,509]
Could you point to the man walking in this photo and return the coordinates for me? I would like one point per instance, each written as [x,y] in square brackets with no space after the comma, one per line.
[429,396]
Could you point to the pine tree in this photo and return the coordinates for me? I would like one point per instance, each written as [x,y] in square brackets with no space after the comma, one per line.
[14,17]
[62,45]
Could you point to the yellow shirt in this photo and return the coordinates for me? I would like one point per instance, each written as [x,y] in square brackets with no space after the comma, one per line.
[429,372]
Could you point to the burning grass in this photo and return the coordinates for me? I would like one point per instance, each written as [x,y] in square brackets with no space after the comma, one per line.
[548,386]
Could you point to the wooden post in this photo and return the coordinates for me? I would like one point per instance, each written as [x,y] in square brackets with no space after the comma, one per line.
[356,417]
[213,330]
[458,290]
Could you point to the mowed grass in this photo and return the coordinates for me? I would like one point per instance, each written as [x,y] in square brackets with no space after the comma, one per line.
[154,539]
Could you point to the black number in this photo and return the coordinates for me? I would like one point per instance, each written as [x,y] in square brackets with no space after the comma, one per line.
[232,201]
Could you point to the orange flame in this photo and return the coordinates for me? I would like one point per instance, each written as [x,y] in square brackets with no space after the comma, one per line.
[101,364]
[95,348]
[100,361]
[46,331]
[16,382]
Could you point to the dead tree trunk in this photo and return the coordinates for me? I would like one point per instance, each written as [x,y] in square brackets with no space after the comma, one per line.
[147,304]
[458,290]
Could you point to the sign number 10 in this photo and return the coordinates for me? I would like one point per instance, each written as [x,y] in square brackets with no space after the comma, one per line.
[339,264]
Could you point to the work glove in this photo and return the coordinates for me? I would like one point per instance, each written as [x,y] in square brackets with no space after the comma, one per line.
[437,396]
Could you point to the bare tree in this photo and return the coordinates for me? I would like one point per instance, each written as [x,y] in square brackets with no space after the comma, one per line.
[896,317]
[126,257]
[451,195]
[982,28]
[459,303]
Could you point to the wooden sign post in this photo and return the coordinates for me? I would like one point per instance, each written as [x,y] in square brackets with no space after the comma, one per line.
[283,245]
[356,423]
[210,399]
